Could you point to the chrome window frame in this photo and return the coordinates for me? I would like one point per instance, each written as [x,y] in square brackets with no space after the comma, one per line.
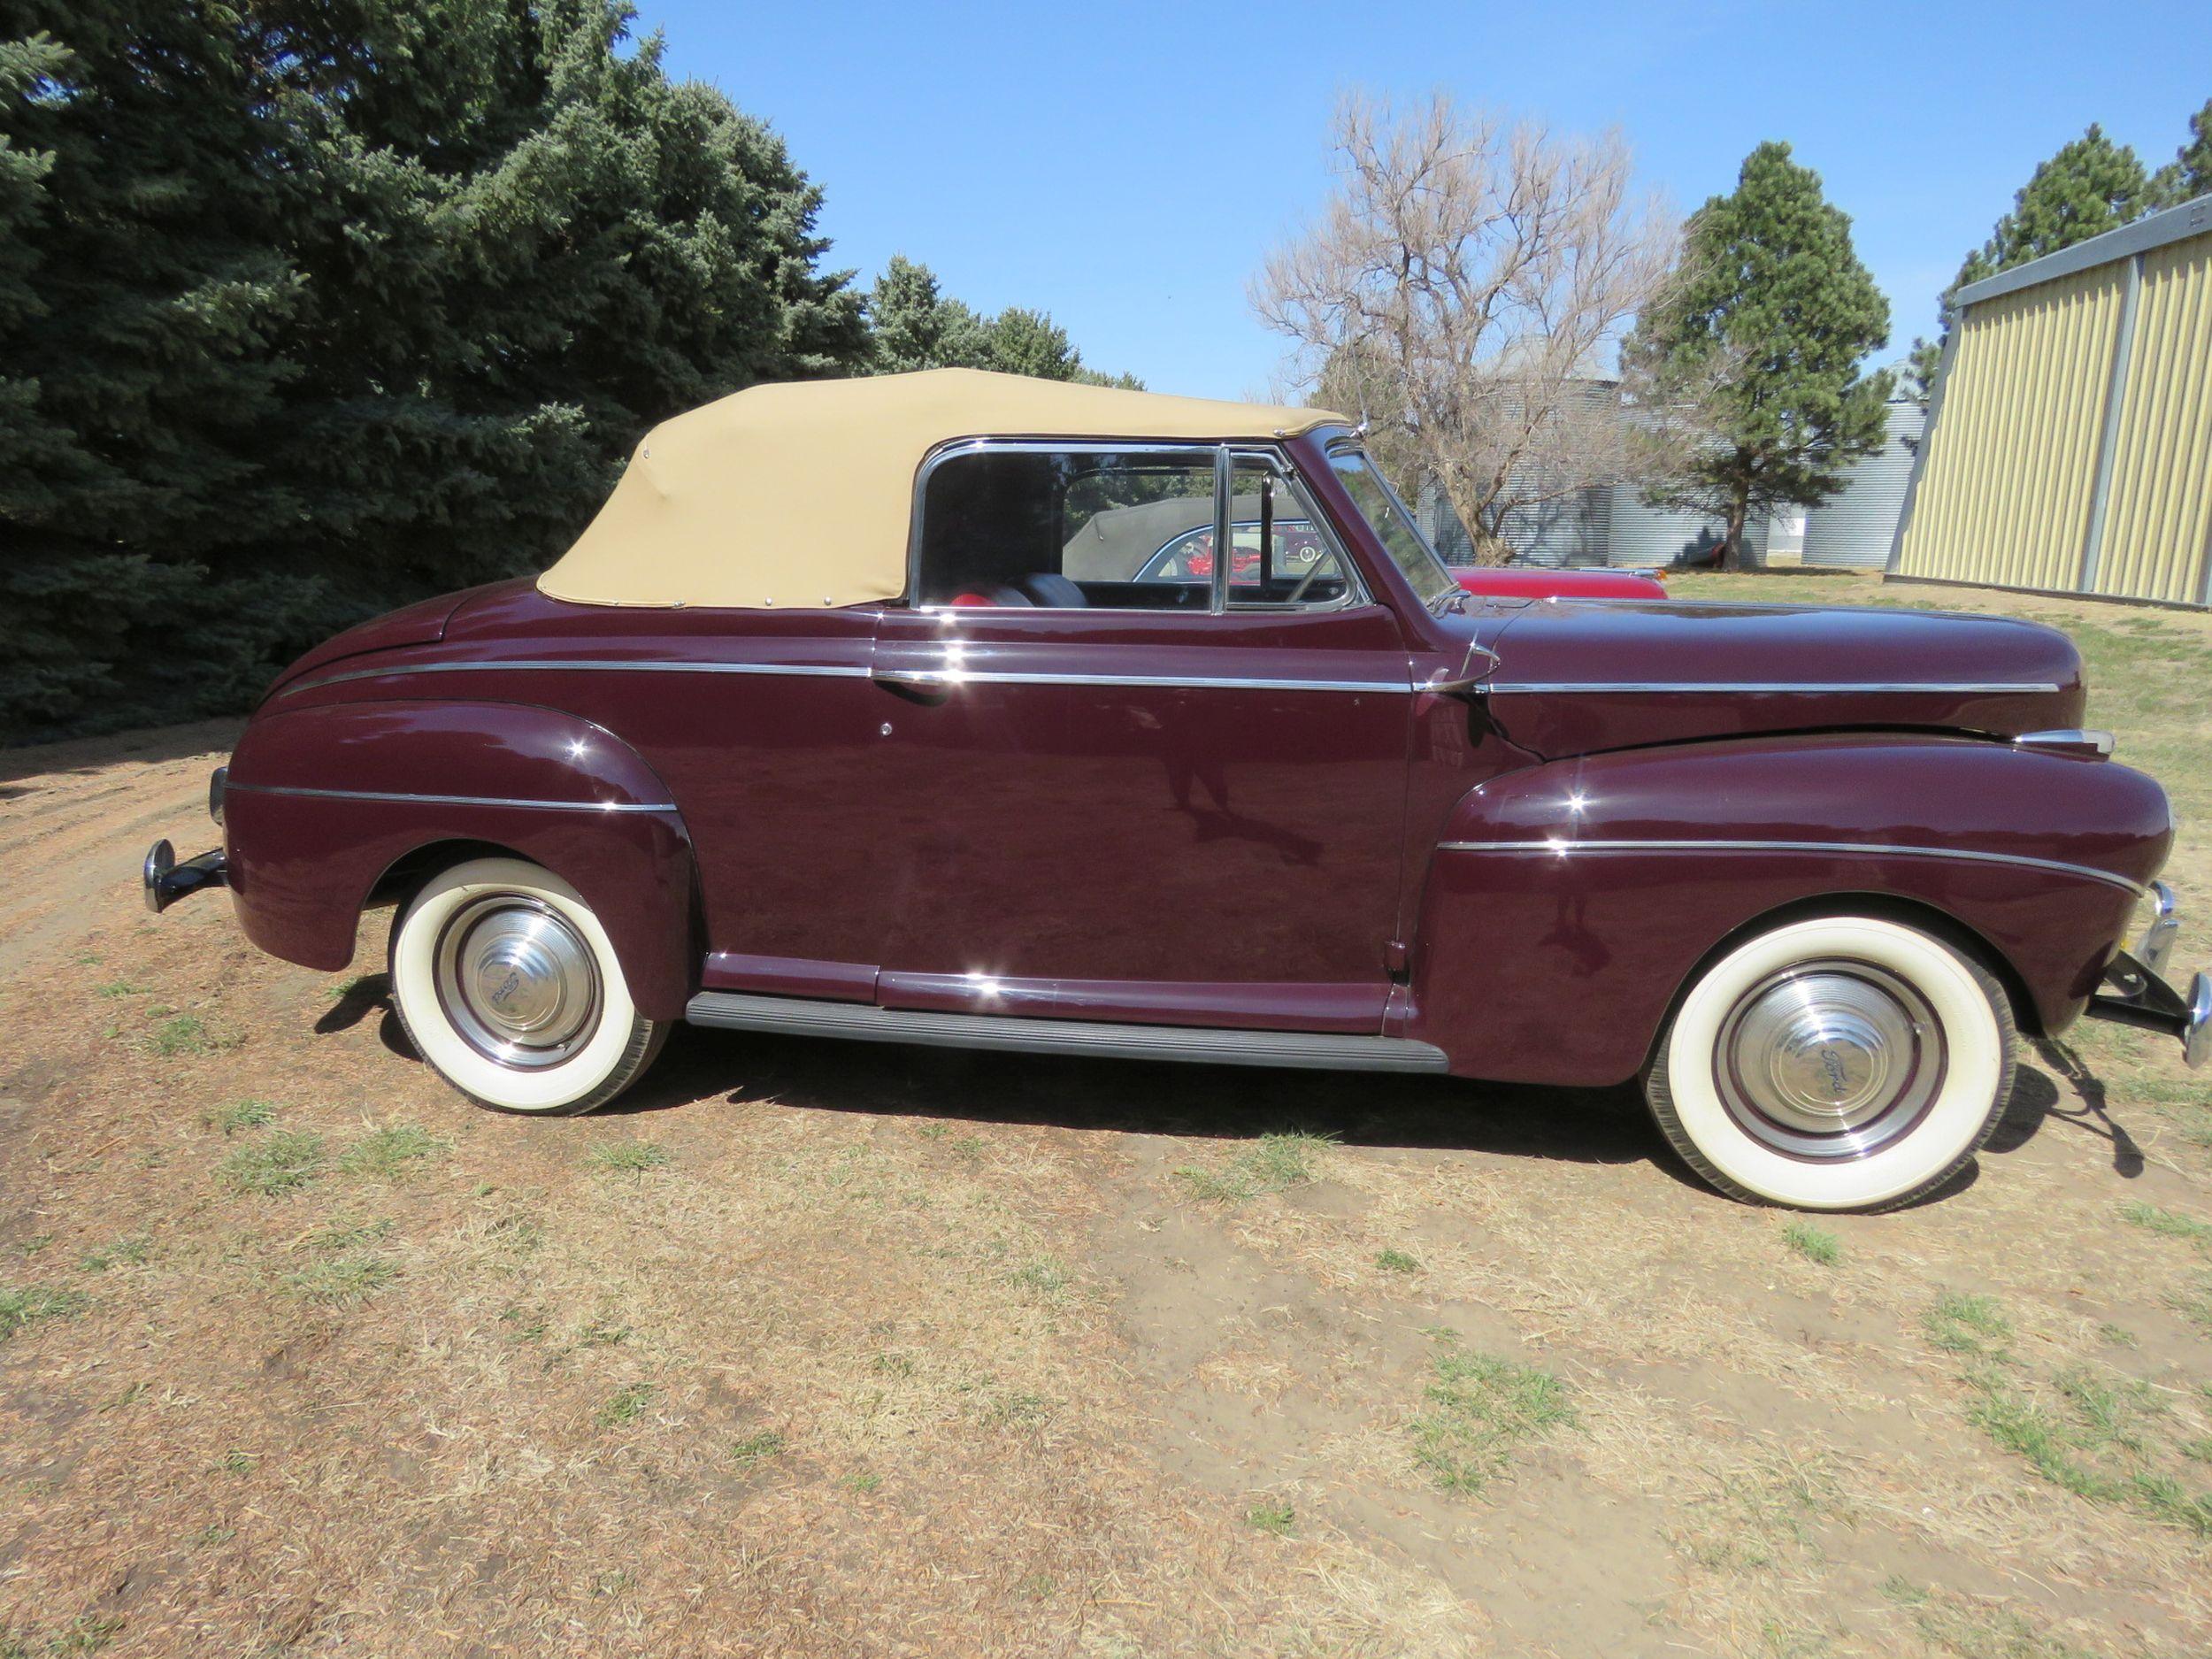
[1222,457]
[1338,441]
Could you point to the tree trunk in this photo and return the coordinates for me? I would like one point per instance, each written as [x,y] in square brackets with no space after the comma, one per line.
[1732,541]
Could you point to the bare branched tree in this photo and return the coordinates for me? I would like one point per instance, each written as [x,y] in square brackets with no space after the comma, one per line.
[1465,289]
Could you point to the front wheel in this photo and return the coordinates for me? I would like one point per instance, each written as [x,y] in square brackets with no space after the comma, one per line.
[507,985]
[1846,1063]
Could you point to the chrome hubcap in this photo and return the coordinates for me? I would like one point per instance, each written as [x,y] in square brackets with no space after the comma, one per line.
[1830,1060]
[517,980]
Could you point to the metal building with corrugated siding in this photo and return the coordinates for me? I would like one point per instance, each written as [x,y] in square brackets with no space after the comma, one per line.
[2069,435]
[1854,529]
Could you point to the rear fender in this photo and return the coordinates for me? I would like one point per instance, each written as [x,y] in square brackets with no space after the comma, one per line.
[1566,904]
[323,802]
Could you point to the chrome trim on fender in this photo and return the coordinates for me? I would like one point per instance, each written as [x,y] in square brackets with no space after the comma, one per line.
[448,800]
[929,677]
[1764,688]
[948,679]
[1855,849]
[2076,740]
[641,665]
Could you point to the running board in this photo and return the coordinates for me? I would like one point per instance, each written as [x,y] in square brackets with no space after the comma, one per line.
[796,1017]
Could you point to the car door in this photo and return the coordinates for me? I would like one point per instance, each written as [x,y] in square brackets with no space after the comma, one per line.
[1119,777]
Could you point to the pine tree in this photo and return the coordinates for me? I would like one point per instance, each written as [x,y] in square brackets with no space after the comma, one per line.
[141,305]
[311,307]
[914,324]
[2091,186]
[525,247]
[2189,174]
[1754,352]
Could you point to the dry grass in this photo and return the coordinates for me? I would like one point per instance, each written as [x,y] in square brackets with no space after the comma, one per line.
[822,1351]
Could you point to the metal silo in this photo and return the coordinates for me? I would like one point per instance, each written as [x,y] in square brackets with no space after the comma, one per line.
[1647,538]
[1854,528]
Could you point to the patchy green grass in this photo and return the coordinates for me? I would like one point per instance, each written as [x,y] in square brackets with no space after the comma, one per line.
[628,1157]
[1396,1262]
[1480,1408]
[341,1280]
[1963,1323]
[1274,1518]
[284,1161]
[1043,1277]
[246,1114]
[348,1235]
[756,1449]
[2088,1430]
[2193,1305]
[114,988]
[182,1034]
[128,1252]
[2166,1224]
[22,1306]
[390,1152]
[625,1406]
[1272,1164]
[1814,1244]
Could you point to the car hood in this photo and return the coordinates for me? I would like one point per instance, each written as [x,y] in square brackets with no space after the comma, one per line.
[1578,676]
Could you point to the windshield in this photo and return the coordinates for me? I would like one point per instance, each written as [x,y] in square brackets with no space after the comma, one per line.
[1393,526]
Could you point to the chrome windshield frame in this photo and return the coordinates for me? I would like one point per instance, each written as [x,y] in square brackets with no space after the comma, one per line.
[1343,443]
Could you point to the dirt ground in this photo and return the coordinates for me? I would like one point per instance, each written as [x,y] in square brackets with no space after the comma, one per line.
[812,1349]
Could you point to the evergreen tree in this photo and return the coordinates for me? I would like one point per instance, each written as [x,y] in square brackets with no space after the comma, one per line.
[914,324]
[2189,174]
[2091,186]
[310,307]
[140,308]
[523,248]
[1755,349]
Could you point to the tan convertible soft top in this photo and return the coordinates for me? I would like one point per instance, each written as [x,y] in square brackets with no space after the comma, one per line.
[799,493]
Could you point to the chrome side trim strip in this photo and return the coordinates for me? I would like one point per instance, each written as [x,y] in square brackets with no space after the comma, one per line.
[949,679]
[1855,849]
[447,799]
[1768,686]
[1203,1045]
[946,678]
[589,664]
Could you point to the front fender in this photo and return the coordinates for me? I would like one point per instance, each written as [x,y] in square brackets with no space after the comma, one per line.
[322,800]
[1567,904]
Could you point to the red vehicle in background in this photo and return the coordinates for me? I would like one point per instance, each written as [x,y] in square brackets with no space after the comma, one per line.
[1534,581]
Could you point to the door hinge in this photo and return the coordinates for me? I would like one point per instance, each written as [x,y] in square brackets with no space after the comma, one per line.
[1396,958]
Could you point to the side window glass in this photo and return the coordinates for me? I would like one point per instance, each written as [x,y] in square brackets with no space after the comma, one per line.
[1282,557]
[1064,528]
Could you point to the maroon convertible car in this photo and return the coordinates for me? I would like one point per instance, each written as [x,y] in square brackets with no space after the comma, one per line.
[829,723]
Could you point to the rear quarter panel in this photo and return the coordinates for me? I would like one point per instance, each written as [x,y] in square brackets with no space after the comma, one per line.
[323,800]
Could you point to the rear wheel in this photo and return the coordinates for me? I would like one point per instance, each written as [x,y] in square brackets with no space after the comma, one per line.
[1847,1063]
[507,985]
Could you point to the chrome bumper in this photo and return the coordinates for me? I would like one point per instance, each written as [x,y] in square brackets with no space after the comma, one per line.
[2135,992]
[167,881]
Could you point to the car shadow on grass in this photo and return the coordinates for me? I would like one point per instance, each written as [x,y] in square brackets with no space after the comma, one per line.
[1382,1112]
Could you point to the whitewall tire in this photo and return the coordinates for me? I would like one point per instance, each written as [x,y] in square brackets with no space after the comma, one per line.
[1844,1063]
[508,986]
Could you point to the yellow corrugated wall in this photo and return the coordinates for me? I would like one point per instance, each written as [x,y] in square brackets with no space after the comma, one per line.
[2004,494]
[2158,508]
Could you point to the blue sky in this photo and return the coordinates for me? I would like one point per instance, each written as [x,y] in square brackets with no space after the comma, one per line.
[1126,167]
